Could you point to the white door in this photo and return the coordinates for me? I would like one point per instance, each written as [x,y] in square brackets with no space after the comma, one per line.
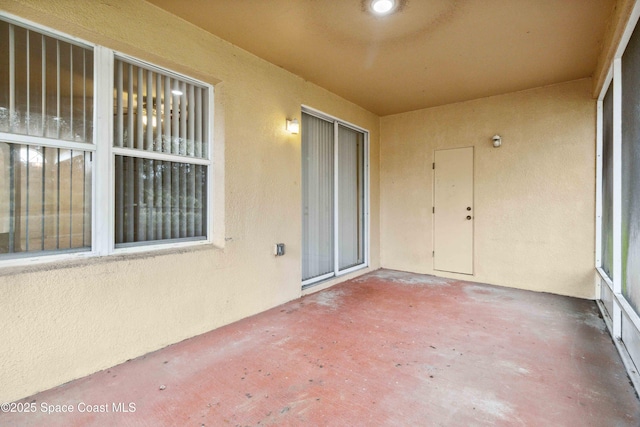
[453,210]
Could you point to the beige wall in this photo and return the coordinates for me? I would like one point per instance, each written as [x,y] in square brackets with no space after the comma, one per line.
[534,196]
[65,320]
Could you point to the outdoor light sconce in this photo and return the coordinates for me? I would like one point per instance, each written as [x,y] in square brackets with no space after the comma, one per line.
[497,141]
[293,126]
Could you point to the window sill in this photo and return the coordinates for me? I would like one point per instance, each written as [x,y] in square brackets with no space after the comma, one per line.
[13,267]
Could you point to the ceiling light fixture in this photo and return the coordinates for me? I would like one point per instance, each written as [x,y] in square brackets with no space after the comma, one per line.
[382,7]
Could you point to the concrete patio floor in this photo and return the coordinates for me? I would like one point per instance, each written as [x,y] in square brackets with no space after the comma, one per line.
[388,348]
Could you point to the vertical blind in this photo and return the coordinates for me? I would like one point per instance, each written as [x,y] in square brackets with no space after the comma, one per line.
[351,197]
[333,197]
[317,197]
[46,86]
[46,91]
[163,197]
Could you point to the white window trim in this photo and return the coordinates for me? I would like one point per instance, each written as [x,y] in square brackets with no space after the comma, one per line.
[103,210]
[143,154]
[103,185]
[336,268]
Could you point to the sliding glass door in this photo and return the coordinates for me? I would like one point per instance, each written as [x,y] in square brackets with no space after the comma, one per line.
[317,197]
[351,198]
[334,197]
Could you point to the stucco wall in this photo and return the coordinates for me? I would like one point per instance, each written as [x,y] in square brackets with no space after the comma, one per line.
[66,320]
[534,196]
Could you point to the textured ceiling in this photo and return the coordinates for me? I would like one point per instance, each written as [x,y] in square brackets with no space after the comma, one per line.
[428,53]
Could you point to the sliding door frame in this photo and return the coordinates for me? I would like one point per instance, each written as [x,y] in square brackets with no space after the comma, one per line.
[336,194]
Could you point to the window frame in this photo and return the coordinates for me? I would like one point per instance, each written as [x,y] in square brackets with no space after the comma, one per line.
[129,152]
[103,172]
[621,319]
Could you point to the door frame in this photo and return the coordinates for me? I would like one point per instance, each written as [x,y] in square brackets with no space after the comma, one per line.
[336,268]
[473,204]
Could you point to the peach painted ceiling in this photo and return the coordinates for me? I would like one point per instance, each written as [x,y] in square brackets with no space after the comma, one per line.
[427,53]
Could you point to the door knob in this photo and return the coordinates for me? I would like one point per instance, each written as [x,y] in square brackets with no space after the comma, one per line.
[469,217]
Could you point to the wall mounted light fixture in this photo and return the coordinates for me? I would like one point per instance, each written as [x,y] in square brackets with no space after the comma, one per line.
[497,141]
[293,126]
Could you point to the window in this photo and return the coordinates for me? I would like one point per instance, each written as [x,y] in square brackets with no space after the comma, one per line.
[618,195]
[334,190]
[630,172]
[152,168]
[160,147]
[46,143]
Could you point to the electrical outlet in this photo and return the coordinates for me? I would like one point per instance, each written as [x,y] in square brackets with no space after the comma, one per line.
[278,249]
